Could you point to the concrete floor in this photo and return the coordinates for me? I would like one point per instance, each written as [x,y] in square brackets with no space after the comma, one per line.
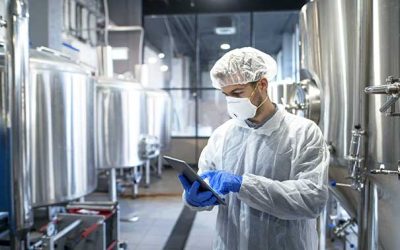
[158,208]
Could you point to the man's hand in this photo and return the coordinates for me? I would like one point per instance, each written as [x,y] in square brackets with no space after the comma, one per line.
[223,182]
[195,197]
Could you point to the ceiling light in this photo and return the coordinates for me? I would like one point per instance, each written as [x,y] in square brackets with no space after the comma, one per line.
[164,68]
[152,60]
[225,30]
[225,46]
[161,55]
[225,26]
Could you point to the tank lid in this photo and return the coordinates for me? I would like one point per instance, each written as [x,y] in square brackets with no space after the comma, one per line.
[45,58]
[102,80]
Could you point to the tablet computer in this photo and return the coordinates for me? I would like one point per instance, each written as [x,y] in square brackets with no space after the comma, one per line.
[183,168]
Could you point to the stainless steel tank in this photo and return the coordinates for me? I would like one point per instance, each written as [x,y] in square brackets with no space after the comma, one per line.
[61,122]
[345,46]
[384,131]
[328,42]
[159,111]
[121,123]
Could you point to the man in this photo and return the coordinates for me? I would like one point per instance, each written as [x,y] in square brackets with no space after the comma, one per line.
[271,165]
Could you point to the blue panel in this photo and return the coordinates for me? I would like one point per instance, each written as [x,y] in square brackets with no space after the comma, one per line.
[5,174]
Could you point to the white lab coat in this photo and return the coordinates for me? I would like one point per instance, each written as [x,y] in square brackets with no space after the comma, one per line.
[284,165]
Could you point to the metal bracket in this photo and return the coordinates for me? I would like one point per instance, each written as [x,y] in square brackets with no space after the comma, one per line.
[392,90]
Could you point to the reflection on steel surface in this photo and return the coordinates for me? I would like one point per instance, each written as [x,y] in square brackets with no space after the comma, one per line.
[345,46]
[120,122]
[61,98]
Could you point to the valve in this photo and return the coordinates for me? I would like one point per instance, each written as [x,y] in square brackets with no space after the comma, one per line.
[382,170]
[355,158]
[340,230]
[392,90]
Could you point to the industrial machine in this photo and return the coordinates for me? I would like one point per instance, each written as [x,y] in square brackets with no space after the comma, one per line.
[159,116]
[159,111]
[60,144]
[47,146]
[58,125]
[121,122]
[61,141]
[349,51]
[133,126]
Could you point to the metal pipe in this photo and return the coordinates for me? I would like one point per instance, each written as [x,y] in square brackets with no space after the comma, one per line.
[116,28]
[159,165]
[134,28]
[322,229]
[66,230]
[105,62]
[147,166]
[106,22]
[113,185]
[363,18]
[368,218]
[17,61]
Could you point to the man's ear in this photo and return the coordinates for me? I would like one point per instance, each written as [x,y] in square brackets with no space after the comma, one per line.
[264,84]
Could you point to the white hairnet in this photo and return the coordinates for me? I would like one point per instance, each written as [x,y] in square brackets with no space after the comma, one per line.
[241,66]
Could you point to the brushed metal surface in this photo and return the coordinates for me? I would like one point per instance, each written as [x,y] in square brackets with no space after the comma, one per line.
[159,110]
[121,122]
[328,37]
[61,104]
[342,42]
[383,131]
[16,119]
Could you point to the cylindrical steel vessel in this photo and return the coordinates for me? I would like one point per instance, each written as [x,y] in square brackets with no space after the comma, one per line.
[159,116]
[17,55]
[61,104]
[384,131]
[342,42]
[121,123]
[328,43]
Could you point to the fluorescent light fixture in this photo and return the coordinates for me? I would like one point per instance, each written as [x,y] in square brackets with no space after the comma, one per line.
[161,55]
[152,60]
[225,46]
[225,30]
[164,68]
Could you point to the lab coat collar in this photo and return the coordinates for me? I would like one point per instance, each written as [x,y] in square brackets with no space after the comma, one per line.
[272,125]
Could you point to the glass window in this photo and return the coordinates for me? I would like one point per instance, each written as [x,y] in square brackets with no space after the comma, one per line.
[211,111]
[217,34]
[279,39]
[180,51]
[169,51]
[184,111]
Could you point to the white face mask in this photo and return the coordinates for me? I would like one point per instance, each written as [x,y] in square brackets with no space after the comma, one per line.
[242,108]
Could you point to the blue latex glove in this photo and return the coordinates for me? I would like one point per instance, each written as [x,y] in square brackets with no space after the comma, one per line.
[223,182]
[195,197]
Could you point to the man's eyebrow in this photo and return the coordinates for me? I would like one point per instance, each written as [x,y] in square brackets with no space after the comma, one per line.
[238,88]
[233,90]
